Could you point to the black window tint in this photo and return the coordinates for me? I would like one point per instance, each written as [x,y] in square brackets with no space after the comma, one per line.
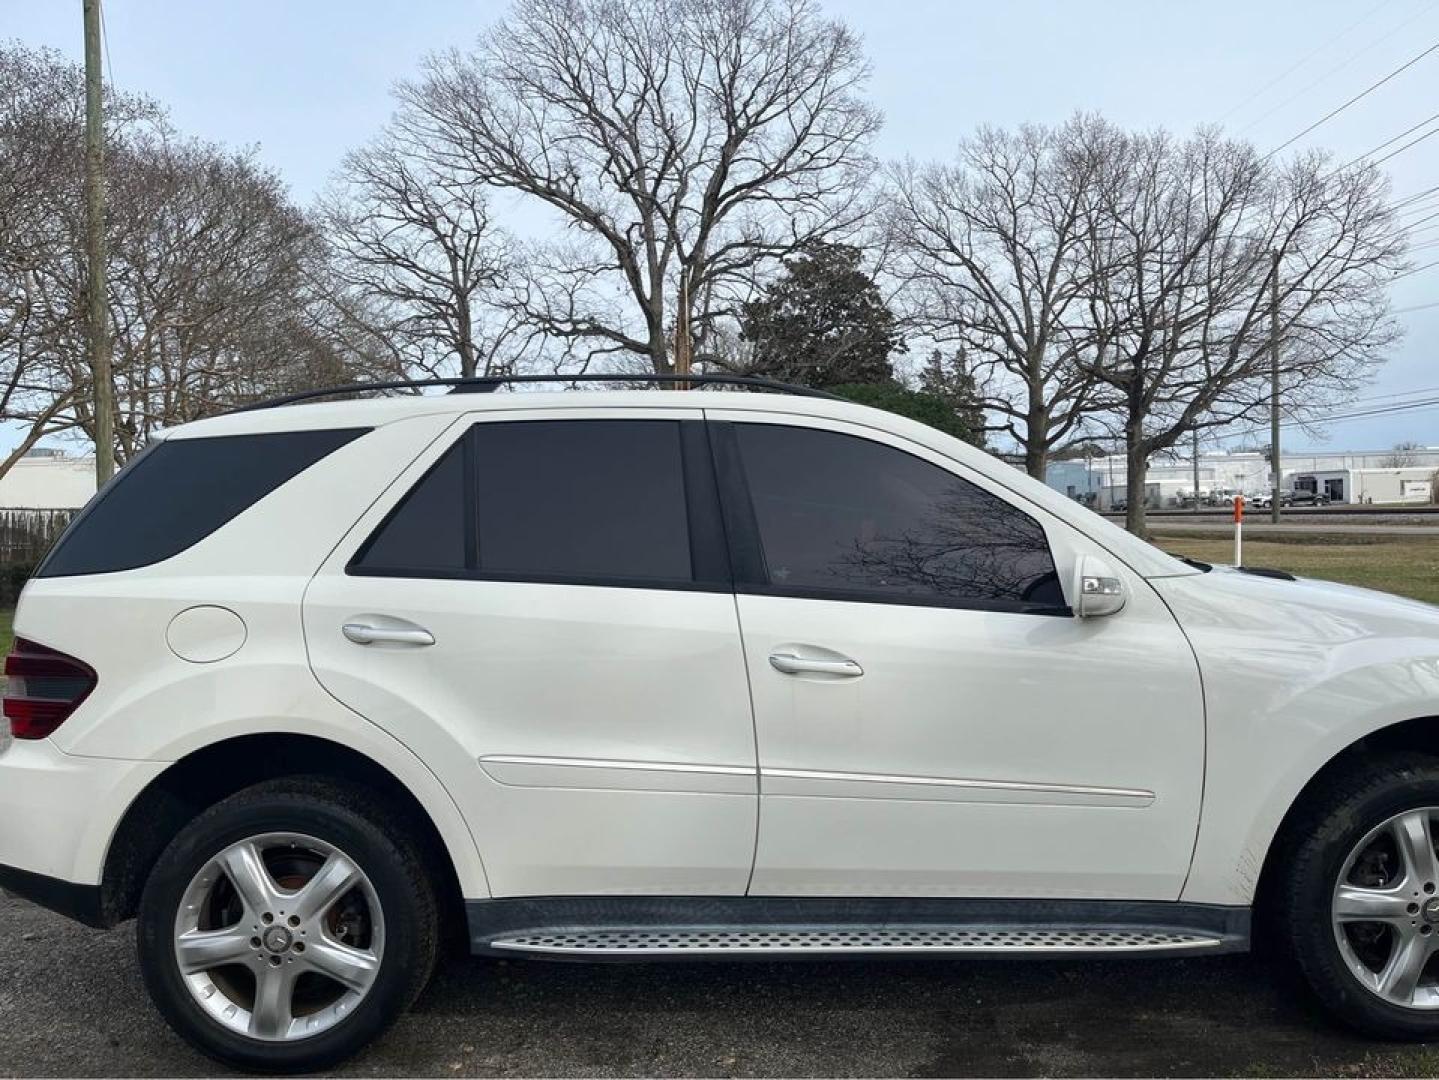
[178,493]
[588,500]
[426,531]
[840,515]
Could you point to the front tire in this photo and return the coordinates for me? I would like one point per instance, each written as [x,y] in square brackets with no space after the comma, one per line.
[1359,896]
[287,926]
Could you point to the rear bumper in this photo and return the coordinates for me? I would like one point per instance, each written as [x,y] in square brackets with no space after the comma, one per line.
[58,814]
[79,902]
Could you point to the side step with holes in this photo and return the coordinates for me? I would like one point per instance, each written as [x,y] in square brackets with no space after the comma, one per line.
[618,928]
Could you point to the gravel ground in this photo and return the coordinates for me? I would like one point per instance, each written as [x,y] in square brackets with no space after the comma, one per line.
[71,1004]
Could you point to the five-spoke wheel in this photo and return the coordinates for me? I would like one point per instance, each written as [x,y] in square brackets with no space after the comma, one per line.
[1357,893]
[288,925]
[1386,910]
[280,936]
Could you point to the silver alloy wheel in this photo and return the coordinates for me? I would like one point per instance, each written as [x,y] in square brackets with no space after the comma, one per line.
[279,936]
[1386,911]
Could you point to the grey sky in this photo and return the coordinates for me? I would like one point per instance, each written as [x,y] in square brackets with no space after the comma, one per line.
[306,81]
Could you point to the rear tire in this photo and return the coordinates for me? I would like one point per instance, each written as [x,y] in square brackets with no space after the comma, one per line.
[279,978]
[1356,901]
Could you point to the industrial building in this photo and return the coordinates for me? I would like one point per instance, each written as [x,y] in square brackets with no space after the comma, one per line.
[48,479]
[1372,477]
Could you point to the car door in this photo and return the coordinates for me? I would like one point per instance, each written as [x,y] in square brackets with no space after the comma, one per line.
[932,719]
[540,607]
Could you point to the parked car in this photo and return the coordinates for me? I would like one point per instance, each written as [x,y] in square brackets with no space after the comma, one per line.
[1301,497]
[309,691]
[1265,500]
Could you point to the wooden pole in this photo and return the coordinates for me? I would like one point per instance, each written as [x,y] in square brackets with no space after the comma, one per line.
[1274,386]
[101,377]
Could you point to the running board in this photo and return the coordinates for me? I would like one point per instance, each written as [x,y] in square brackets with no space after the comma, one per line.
[640,928]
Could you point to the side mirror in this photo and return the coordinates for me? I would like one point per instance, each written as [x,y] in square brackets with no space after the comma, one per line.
[1098,590]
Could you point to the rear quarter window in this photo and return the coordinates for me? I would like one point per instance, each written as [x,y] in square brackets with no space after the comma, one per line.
[179,492]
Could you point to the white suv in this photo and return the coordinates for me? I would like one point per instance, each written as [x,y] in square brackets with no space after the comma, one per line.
[705,674]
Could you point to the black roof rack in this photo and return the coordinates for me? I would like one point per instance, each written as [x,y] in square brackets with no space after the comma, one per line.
[486,384]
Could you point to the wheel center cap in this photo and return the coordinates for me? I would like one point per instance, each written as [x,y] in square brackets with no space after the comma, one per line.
[277,939]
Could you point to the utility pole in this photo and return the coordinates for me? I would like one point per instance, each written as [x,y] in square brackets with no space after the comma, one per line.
[1196,470]
[1274,386]
[684,347]
[101,380]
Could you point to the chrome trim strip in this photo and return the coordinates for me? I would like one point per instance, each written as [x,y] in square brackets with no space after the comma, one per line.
[945,782]
[1019,787]
[597,763]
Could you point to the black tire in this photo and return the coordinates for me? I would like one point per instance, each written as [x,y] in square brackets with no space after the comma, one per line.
[1334,819]
[360,823]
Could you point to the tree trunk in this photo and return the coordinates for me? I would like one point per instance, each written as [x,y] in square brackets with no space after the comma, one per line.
[1036,444]
[468,362]
[1135,473]
[1036,461]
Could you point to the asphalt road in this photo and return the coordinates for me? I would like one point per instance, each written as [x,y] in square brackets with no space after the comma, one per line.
[71,1004]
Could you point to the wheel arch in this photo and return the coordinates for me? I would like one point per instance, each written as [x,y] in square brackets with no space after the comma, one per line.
[1419,735]
[213,772]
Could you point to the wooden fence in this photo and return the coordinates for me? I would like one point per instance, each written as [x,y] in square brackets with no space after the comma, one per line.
[25,535]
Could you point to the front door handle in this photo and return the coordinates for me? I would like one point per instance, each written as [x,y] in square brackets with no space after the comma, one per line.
[791,664]
[368,634]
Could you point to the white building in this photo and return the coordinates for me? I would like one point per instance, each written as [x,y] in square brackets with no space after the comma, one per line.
[1409,484]
[48,480]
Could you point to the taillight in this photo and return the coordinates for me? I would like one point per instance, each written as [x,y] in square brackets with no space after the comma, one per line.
[44,687]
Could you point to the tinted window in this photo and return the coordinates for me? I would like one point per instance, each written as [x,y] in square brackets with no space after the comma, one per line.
[587,500]
[178,493]
[426,532]
[840,515]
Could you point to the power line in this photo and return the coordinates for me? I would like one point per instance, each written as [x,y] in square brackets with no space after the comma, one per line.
[1422,207]
[1416,307]
[1406,146]
[1415,270]
[1308,57]
[1417,405]
[1334,69]
[1415,197]
[1388,142]
[1357,97]
[1305,92]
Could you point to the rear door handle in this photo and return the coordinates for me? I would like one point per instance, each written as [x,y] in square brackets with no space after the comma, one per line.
[369,634]
[791,664]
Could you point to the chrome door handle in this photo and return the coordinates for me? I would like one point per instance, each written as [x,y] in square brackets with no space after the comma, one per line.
[791,664]
[366,634]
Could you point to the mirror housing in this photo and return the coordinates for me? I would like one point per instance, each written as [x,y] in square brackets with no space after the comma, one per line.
[1098,590]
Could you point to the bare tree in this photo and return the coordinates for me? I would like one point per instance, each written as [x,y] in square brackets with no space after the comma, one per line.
[216,290]
[992,256]
[1404,455]
[417,246]
[1188,241]
[42,280]
[207,253]
[681,143]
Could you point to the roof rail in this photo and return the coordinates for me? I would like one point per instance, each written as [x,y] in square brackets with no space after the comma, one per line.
[485,384]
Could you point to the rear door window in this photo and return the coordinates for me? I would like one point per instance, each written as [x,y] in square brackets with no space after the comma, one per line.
[179,492]
[586,502]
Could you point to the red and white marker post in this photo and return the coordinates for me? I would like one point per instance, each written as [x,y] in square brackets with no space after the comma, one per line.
[1239,530]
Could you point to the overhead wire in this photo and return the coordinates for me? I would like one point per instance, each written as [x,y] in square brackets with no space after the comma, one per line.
[1389,142]
[1353,100]
[1362,20]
